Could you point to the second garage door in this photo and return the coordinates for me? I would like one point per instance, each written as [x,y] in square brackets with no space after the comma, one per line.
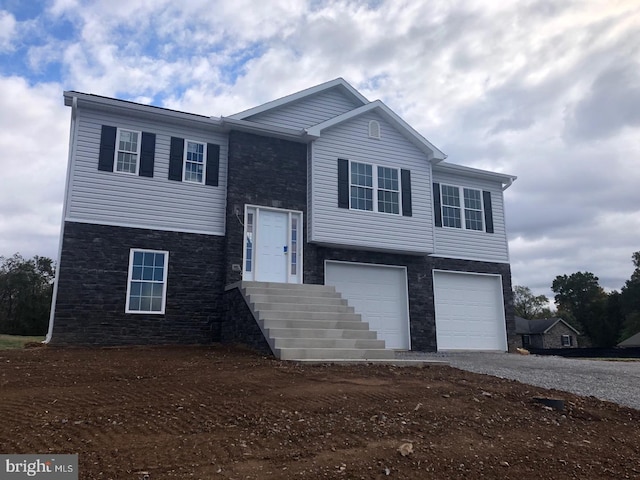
[379,294]
[469,311]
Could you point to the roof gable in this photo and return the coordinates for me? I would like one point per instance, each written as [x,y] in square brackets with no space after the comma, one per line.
[539,325]
[389,115]
[339,83]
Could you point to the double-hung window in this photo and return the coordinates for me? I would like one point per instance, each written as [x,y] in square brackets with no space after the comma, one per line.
[127,151]
[462,208]
[147,282]
[566,340]
[361,186]
[388,190]
[194,162]
[369,182]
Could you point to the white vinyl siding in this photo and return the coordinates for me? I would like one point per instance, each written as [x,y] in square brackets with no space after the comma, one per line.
[110,198]
[338,226]
[473,244]
[308,111]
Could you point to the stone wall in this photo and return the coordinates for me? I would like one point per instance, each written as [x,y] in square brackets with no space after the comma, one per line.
[553,338]
[92,287]
[262,171]
[240,325]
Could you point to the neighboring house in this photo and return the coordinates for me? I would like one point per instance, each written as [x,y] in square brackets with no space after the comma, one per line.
[165,212]
[631,342]
[546,333]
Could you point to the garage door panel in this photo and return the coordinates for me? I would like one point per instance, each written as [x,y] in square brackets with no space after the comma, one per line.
[379,294]
[469,311]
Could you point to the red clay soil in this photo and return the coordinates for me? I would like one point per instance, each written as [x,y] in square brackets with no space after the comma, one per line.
[211,412]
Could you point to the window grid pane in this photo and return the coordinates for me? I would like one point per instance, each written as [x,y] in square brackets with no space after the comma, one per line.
[473,209]
[146,291]
[127,157]
[388,190]
[361,186]
[249,246]
[451,217]
[194,162]
[362,198]
[294,246]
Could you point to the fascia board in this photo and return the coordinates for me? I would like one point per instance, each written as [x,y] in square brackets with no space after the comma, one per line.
[121,106]
[446,167]
[264,129]
[422,143]
[338,82]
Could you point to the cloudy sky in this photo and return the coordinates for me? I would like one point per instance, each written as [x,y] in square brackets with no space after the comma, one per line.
[546,90]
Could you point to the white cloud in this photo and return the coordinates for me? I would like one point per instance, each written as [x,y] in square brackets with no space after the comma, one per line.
[7,31]
[541,89]
[33,139]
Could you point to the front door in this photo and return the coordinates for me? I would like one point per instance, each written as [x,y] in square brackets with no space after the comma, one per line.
[272,247]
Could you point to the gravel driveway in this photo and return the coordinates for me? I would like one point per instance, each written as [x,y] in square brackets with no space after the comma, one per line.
[615,381]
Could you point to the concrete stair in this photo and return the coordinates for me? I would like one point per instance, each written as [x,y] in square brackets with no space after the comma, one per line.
[311,322]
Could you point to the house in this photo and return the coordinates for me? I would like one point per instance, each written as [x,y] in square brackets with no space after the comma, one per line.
[170,217]
[632,342]
[546,333]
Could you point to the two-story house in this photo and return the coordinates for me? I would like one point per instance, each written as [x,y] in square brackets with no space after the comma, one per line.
[182,228]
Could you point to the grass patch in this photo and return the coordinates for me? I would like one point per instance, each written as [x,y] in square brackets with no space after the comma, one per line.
[8,342]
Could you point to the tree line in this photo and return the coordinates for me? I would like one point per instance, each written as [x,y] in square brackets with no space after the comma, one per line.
[606,318]
[26,288]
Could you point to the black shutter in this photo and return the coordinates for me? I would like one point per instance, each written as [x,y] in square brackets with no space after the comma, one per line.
[488,213]
[175,158]
[213,164]
[343,183]
[437,207]
[107,148]
[405,177]
[147,154]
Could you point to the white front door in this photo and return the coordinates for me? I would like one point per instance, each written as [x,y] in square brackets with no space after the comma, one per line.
[273,245]
[271,248]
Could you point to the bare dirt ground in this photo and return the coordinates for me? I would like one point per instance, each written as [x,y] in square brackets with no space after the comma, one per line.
[212,412]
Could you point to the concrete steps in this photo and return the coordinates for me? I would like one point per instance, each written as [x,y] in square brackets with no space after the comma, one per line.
[311,322]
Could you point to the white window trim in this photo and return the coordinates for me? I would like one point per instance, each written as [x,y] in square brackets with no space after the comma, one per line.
[376,188]
[164,281]
[562,338]
[462,207]
[117,150]
[204,162]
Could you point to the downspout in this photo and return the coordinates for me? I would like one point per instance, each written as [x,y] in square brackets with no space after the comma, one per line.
[72,137]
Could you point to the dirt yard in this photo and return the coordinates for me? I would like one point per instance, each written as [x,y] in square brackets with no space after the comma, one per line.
[208,413]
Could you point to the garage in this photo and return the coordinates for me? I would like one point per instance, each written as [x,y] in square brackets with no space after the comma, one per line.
[469,311]
[379,294]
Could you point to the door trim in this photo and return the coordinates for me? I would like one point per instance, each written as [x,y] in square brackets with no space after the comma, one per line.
[254,237]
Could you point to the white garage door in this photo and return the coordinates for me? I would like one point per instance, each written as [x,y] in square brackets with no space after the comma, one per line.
[379,294]
[469,311]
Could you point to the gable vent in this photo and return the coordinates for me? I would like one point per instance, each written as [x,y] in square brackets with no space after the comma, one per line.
[374,129]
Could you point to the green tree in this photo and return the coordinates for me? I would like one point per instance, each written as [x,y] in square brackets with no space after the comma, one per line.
[25,294]
[630,300]
[580,298]
[529,306]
